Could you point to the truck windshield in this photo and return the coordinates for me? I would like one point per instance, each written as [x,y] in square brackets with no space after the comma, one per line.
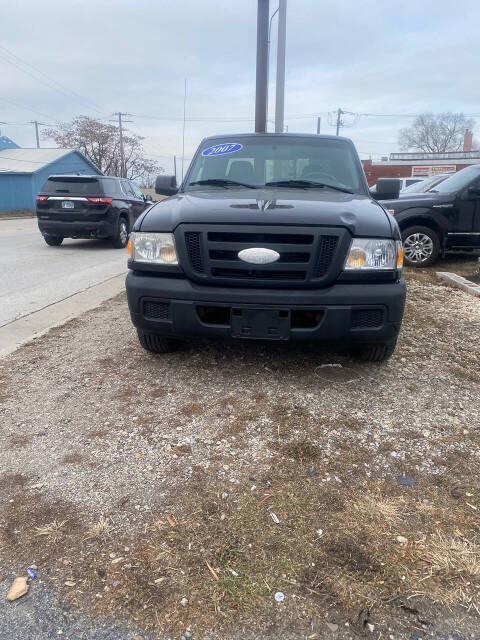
[292,162]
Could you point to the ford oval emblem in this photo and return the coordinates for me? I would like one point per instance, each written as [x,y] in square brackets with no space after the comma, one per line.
[258,255]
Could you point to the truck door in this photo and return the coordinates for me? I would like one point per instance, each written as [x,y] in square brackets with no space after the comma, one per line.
[476,214]
[467,229]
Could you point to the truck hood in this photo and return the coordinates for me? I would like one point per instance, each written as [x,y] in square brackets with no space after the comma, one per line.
[360,214]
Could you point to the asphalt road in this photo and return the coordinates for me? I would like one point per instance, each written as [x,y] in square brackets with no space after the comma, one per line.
[34,275]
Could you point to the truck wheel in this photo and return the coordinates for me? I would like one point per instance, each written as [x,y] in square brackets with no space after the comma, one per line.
[122,230]
[157,344]
[421,246]
[375,352]
[53,241]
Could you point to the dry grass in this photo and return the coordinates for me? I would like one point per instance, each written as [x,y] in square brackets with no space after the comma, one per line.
[301,450]
[103,529]
[19,441]
[466,372]
[18,213]
[73,458]
[461,264]
[53,530]
[335,547]
[381,511]
[192,409]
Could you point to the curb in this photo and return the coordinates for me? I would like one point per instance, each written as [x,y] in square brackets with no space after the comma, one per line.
[18,332]
[22,217]
[459,282]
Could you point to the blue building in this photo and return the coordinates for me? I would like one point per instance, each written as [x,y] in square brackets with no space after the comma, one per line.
[24,171]
[6,143]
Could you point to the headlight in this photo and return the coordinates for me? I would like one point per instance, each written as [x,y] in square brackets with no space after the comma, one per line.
[372,253]
[153,248]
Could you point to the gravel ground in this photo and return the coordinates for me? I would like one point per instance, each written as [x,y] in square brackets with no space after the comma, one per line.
[40,615]
[90,421]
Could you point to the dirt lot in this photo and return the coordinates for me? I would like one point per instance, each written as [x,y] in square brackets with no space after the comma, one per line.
[182,492]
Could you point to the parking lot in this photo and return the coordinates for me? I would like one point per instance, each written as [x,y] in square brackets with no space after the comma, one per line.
[35,275]
[181,492]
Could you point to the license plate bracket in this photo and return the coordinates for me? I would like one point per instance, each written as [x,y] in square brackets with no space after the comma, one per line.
[68,204]
[260,323]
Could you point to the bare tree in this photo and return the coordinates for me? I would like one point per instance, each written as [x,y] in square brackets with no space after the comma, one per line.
[436,133]
[100,142]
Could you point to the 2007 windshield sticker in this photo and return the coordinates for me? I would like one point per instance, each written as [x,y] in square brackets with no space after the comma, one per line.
[222,148]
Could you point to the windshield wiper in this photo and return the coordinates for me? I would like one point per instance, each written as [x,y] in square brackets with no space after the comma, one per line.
[305,184]
[222,182]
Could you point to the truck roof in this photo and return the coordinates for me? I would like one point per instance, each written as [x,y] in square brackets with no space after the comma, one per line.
[77,175]
[278,135]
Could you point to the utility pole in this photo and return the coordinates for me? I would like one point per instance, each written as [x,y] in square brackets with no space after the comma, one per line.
[268,50]
[319,121]
[261,90]
[123,169]
[339,120]
[36,130]
[280,84]
[183,130]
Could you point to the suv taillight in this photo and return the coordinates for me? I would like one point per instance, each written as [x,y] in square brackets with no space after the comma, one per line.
[41,198]
[100,200]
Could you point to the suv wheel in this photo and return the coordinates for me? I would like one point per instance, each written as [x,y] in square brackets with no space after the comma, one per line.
[374,352]
[157,344]
[421,246]
[53,241]
[122,231]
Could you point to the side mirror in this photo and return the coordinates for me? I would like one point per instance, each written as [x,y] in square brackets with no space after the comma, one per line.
[147,198]
[166,185]
[387,189]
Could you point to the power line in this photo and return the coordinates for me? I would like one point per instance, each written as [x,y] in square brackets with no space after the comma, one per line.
[19,106]
[51,82]
[2,157]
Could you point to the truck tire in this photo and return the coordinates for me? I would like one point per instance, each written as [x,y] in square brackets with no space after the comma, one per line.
[421,246]
[122,231]
[52,241]
[157,344]
[375,352]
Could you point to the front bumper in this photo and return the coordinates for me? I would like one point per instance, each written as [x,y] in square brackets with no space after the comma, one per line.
[343,313]
[76,229]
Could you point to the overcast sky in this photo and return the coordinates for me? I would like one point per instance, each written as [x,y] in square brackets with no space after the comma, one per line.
[368,56]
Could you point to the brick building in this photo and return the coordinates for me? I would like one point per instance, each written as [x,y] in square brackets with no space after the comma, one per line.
[405,165]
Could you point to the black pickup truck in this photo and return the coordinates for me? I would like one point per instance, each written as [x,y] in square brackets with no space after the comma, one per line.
[445,218]
[270,237]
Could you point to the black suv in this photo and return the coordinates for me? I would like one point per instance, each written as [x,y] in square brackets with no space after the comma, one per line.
[270,237]
[444,218]
[80,206]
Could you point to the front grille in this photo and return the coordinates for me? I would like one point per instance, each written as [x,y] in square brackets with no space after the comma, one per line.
[156,310]
[326,250]
[284,257]
[310,256]
[194,249]
[260,238]
[366,318]
[258,274]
